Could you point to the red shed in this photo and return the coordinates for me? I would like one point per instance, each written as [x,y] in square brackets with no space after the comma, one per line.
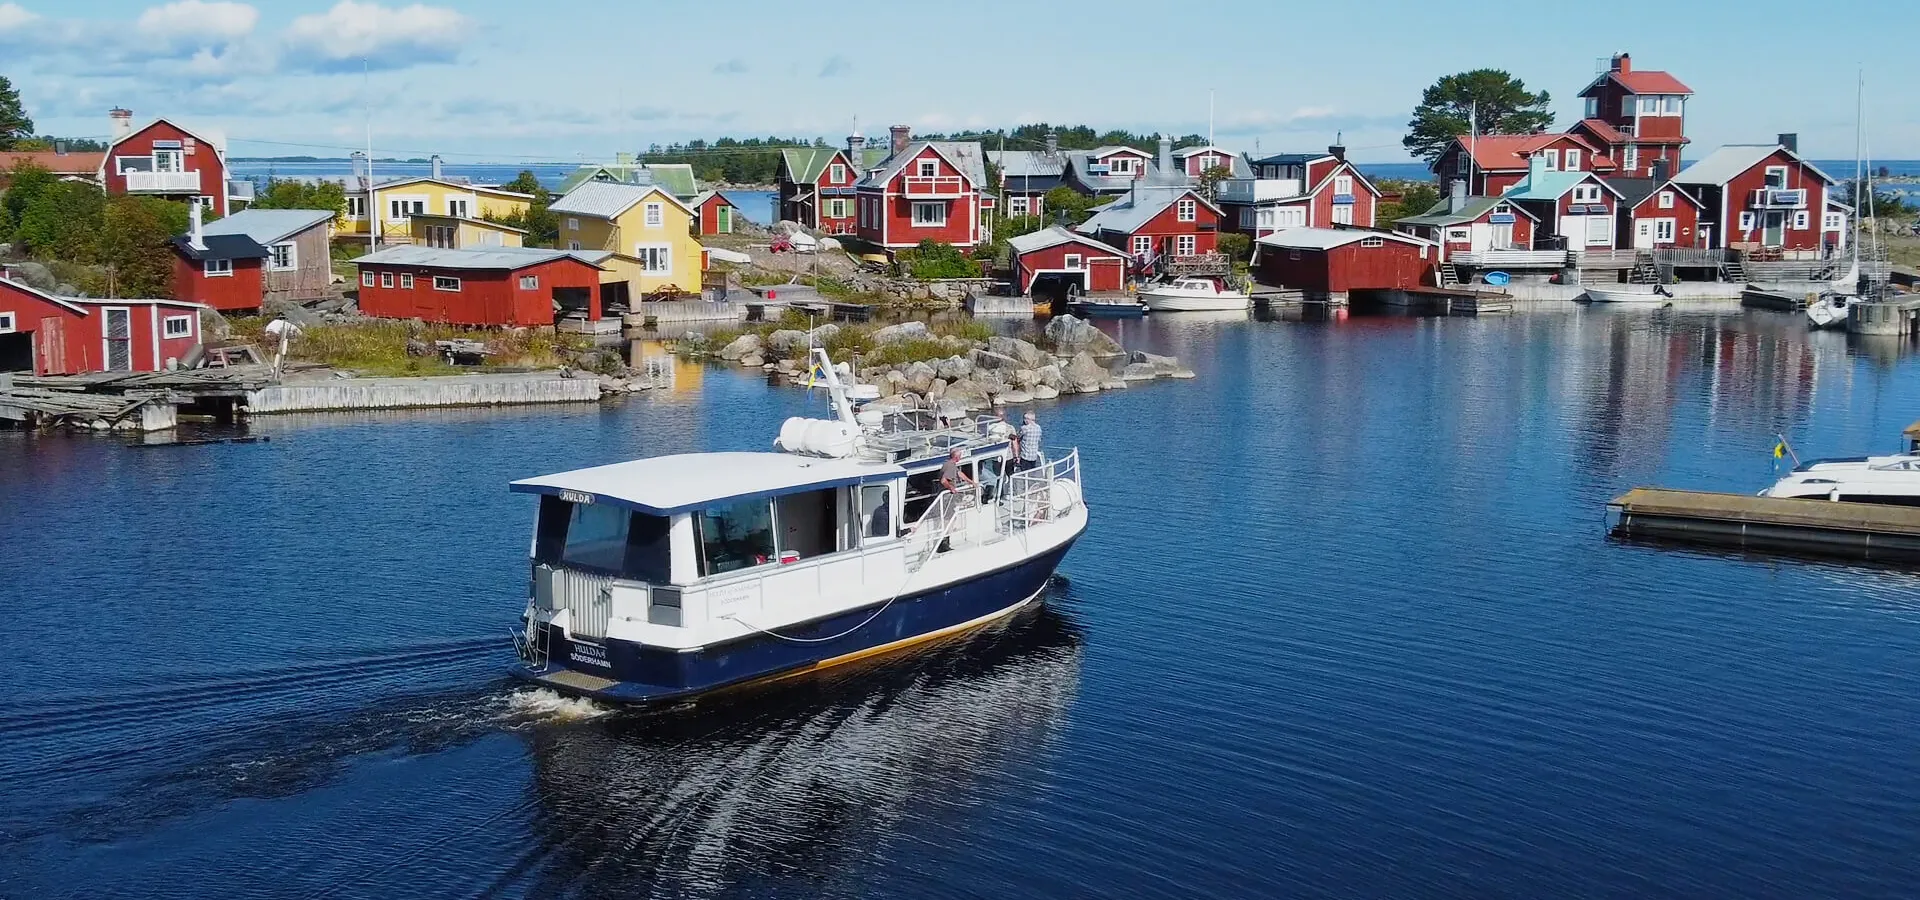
[52,335]
[713,213]
[163,159]
[253,256]
[1338,260]
[1057,251]
[503,286]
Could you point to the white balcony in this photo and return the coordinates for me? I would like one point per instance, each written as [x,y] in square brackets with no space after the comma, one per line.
[934,186]
[1779,198]
[1254,190]
[163,182]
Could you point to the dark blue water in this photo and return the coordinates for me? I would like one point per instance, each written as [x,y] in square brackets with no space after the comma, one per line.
[1345,624]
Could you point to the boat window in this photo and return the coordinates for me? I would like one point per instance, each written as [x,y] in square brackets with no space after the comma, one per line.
[922,487]
[735,536]
[807,523]
[876,510]
[603,538]
[990,469]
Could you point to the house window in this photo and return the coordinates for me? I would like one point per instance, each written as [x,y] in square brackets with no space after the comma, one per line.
[1666,199]
[1800,219]
[1593,108]
[838,175]
[441,236]
[656,215]
[1671,105]
[1186,210]
[1247,214]
[1291,217]
[459,209]
[168,161]
[1627,106]
[573,224]
[1552,157]
[529,282]
[1343,185]
[446,283]
[1120,165]
[929,214]
[386,279]
[367,279]
[1631,161]
[406,282]
[217,268]
[1184,245]
[177,326]
[1573,160]
[1663,230]
[1835,221]
[573,245]
[1649,106]
[1599,231]
[1073,261]
[1142,245]
[283,257]
[1017,207]
[356,208]
[1460,166]
[836,209]
[1458,235]
[405,209]
[6,323]
[1586,193]
[1746,221]
[1343,214]
[655,259]
[929,168]
[1373,242]
[1777,177]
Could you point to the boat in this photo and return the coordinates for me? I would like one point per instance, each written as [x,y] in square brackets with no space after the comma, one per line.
[1890,480]
[669,578]
[1194,294]
[1107,307]
[1630,293]
[1832,308]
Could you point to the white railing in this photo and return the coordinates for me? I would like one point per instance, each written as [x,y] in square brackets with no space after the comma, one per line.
[935,526]
[1027,497]
[1513,258]
[1779,198]
[934,186]
[1254,190]
[587,598]
[163,182]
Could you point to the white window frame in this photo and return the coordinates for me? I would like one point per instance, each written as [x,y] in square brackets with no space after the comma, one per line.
[1628,107]
[573,245]
[1586,193]
[1186,210]
[401,209]
[529,282]
[1074,261]
[386,280]
[7,325]
[655,259]
[1017,206]
[177,156]
[356,208]
[573,224]
[1802,220]
[1650,105]
[1666,229]
[929,168]
[838,173]
[446,283]
[368,278]
[168,331]
[1572,159]
[1606,224]
[217,268]
[656,215]
[923,221]
[1290,217]
[1142,245]
[837,208]
[1666,199]
[292,256]
[1834,221]
[1630,160]
[1120,165]
[1459,235]
[460,207]
[1785,174]
[1186,245]
[1553,159]
[1343,184]
[406,281]
[1746,220]
[1673,105]
[1373,242]
[1593,108]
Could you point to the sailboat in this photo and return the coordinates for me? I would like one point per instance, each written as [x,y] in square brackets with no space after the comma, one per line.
[1834,305]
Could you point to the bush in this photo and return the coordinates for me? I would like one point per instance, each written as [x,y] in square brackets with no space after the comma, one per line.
[933,260]
[1235,246]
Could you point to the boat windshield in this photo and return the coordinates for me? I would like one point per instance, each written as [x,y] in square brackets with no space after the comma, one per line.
[603,538]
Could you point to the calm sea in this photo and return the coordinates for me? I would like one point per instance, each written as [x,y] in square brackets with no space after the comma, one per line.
[1345,625]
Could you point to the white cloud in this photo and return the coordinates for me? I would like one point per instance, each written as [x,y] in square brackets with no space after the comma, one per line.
[14,16]
[197,23]
[385,37]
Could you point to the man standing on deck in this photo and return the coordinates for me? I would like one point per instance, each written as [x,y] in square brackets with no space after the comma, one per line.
[952,476]
[1028,446]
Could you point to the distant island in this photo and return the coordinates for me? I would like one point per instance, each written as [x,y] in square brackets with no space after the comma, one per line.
[320,159]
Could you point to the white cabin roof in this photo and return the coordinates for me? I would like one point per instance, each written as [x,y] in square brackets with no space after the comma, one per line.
[664,485]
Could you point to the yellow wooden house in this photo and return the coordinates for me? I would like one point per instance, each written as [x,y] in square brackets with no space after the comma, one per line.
[642,222]
[395,203]
[455,233]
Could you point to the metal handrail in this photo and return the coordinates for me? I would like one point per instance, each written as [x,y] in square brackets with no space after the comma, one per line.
[1027,496]
[934,526]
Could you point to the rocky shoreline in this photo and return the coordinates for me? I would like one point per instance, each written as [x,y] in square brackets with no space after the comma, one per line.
[1078,359]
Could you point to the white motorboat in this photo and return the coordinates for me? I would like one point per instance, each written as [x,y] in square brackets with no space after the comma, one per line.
[670,577]
[1893,480]
[1207,294]
[1832,308]
[1630,293]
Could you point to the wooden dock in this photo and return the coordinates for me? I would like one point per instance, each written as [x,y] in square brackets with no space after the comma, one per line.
[1867,531]
[413,393]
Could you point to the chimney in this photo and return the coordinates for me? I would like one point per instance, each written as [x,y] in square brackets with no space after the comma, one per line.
[435,161]
[1791,142]
[59,148]
[1536,167]
[122,122]
[1622,63]
[1053,142]
[1336,150]
[856,145]
[1457,198]
[1166,156]
[194,237]
[1659,169]
[902,136]
[359,167]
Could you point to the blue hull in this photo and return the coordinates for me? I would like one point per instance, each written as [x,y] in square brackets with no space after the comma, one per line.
[1108,310]
[627,672]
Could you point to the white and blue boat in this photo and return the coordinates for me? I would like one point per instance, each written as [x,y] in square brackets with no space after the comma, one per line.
[668,578]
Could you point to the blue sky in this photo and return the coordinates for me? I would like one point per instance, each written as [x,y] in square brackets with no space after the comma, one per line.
[570,79]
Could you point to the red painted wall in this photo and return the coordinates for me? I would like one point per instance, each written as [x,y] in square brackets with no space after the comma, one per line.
[201,158]
[896,229]
[1739,194]
[1685,216]
[1363,201]
[846,224]
[80,338]
[1166,228]
[1107,271]
[486,297]
[1198,164]
[710,216]
[1350,268]
[243,290]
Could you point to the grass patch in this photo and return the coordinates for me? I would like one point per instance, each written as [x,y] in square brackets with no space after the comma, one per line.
[379,346]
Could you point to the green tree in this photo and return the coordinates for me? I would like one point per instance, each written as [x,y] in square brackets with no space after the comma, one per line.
[287,193]
[1073,204]
[1498,102]
[14,123]
[133,244]
[1210,181]
[541,225]
[28,182]
[63,222]
[1416,197]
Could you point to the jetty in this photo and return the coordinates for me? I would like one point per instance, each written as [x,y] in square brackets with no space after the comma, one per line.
[1867,531]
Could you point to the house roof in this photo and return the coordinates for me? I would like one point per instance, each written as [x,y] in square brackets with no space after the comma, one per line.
[677,178]
[1291,159]
[1733,160]
[267,226]
[1634,191]
[58,163]
[1117,148]
[1078,162]
[1135,208]
[1636,81]
[220,246]
[804,164]
[1185,152]
[1054,237]
[965,156]
[217,139]
[1029,163]
[508,258]
[1604,130]
[1552,185]
[709,195]
[1329,238]
[1475,207]
[79,304]
[1510,151]
[608,199]
[447,182]
[664,485]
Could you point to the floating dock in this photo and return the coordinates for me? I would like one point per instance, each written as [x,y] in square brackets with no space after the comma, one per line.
[1867,531]
[412,393]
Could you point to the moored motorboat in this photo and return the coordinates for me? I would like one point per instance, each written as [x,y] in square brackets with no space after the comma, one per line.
[1892,480]
[671,577]
[1194,294]
[1107,308]
[1625,293]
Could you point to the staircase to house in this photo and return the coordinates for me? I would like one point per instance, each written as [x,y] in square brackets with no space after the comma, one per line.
[1733,270]
[1643,271]
[1449,275]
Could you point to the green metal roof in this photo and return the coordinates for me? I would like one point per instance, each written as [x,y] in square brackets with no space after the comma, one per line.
[676,178]
[1438,214]
[806,164]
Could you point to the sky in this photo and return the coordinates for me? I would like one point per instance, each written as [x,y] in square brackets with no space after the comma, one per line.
[573,80]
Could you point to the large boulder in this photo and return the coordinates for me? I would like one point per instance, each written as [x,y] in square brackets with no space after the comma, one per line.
[753,359]
[821,334]
[214,326]
[828,244]
[969,393]
[1045,392]
[920,377]
[291,311]
[937,390]
[953,368]
[1014,397]
[1084,375]
[1029,356]
[1138,372]
[34,275]
[1071,335]
[1049,376]
[987,359]
[787,340]
[901,333]
[1162,365]
[741,346]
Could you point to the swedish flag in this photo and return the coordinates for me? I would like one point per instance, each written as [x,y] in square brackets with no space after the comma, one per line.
[1780,450]
[814,375]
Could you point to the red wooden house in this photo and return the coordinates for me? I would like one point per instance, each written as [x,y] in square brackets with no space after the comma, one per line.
[1328,261]
[1461,224]
[1197,161]
[244,260]
[163,159]
[1298,190]
[1155,221]
[1636,117]
[499,286]
[1491,163]
[1578,208]
[1765,197]
[1657,214]
[926,190]
[713,213]
[816,185]
[1063,254]
[51,335]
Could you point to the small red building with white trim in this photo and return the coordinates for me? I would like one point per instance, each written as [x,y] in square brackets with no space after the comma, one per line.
[1298,190]
[163,159]
[1338,260]
[496,286]
[1060,252]
[926,190]
[1657,215]
[52,335]
[713,213]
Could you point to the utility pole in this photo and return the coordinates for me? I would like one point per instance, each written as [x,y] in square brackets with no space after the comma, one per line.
[1209,117]
[373,209]
[1473,144]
